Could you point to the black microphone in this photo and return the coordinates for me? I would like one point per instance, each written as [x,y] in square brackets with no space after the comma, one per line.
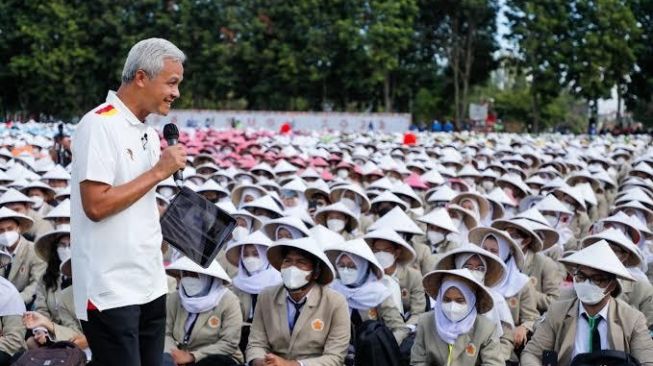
[171,134]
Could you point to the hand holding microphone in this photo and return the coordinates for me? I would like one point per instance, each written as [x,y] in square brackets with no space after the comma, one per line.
[173,158]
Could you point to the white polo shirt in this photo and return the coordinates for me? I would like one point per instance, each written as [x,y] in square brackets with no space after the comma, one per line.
[117,261]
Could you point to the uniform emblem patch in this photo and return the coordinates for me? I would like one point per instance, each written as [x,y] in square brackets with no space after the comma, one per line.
[317,325]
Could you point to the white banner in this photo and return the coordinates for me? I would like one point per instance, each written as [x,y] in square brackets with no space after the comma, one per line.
[301,121]
[477,112]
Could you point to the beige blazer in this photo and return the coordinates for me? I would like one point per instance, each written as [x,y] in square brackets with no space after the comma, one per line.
[216,332]
[433,258]
[639,294]
[626,327]
[67,317]
[50,303]
[422,259]
[388,312]
[40,226]
[321,334]
[26,270]
[545,276]
[523,307]
[478,347]
[12,334]
[412,292]
[245,301]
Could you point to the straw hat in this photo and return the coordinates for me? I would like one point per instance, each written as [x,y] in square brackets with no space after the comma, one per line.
[24,222]
[440,218]
[551,204]
[468,216]
[483,204]
[187,265]
[309,245]
[477,235]
[322,213]
[388,196]
[433,280]
[398,221]
[237,193]
[61,211]
[628,222]
[267,203]
[405,190]
[616,237]
[212,186]
[325,237]
[638,206]
[336,195]
[541,226]
[494,273]
[270,227]
[598,256]
[45,244]
[358,247]
[407,252]
[317,187]
[522,225]
[256,238]
[14,196]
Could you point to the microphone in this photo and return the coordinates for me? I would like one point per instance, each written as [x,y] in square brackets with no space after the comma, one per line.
[171,134]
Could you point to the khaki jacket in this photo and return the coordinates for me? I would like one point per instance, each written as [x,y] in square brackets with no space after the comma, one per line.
[626,327]
[545,276]
[433,258]
[216,332]
[26,270]
[523,307]
[320,336]
[50,303]
[40,226]
[422,258]
[69,321]
[413,296]
[12,334]
[389,314]
[478,347]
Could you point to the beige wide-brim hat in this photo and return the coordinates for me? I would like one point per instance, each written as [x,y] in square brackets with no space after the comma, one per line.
[317,187]
[397,220]
[616,237]
[212,186]
[433,280]
[256,238]
[266,203]
[309,245]
[440,218]
[598,256]
[45,245]
[187,265]
[388,196]
[468,216]
[522,225]
[237,193]
[483,204]
[24,222]
[322,213]
[336,195]
[638,206]
[324,237]
[477,235]
[358,247]
[270,227]
[494,273]
[407,252]
[256,222]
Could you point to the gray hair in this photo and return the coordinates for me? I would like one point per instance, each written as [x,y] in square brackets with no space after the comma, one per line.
[148,55]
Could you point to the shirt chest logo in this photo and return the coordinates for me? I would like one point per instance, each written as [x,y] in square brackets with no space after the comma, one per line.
[317,325]
[214,322]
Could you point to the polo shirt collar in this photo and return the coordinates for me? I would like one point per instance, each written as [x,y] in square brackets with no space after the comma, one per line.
[112,98]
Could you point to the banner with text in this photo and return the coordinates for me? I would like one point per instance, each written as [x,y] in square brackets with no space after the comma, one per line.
[301,121]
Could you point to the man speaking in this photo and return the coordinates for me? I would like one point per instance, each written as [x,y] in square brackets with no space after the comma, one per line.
[119,279]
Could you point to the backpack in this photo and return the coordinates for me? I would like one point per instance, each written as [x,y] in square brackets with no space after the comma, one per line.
[605,358]
[376,345]
[58,353]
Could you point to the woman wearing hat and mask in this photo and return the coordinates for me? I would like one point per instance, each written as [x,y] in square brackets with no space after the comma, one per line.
[339,219]
[438,228]
[354,198]
[288,227]
[311,324]
[454,332]
[594,319]
[541,270]
[573,200]
[516,287]
[254,274]
[26,268]
[12,307]
[204,319]
[488,270]
[359,281]
[16,201]
[403,281]
[464,220]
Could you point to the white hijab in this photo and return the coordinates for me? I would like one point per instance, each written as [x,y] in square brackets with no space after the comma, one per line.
[254,283]
[367,292]
[10,301]
[447,329]
[209,299]
[514,280]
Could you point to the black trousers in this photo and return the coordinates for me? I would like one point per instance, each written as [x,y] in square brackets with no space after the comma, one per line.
[127,336]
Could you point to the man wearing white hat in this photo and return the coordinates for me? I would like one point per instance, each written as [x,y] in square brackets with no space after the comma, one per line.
[120,282]
[310,323]
[593,320]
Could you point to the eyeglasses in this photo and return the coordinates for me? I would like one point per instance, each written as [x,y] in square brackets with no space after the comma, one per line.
[472,268]
[598,279]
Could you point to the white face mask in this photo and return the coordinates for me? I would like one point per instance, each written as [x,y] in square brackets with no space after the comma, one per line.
[343,173]
[64,253]
[588,293]
[239,233]
[455,311]
[552,220]
[193,286]
[386,260]
[479,276]
[569,206]
[488,185]
[252,264]
[350,204]
[9,238]
[456,222]
[435,237]
[347,275]
[335,225]
[38,201]
[294,278]
[245,179]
